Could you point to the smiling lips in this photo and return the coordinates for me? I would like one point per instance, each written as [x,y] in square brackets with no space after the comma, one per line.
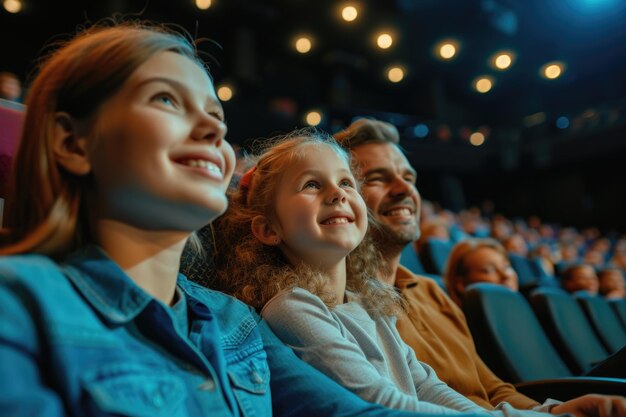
[398,212]
[206,164]
[201,163]
[337,219]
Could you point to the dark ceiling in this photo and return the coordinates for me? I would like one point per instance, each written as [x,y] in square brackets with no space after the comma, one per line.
[343,75]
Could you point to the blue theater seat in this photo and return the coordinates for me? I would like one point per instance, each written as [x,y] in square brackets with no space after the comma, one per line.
[619,306]
[511,341]
[508,336]
[603,319]
[567,327]
[411,261]
[525,273]
[438,250]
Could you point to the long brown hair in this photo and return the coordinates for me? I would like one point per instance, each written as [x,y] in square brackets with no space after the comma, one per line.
[254,272]
[47,212]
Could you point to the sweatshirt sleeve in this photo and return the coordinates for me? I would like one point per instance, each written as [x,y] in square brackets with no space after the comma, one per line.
[302,321]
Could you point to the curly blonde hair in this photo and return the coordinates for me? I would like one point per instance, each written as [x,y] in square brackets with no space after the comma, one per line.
[254,272]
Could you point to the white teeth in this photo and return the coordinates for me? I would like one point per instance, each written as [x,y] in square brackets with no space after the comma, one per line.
[399,212]
[337,220]
[201,163]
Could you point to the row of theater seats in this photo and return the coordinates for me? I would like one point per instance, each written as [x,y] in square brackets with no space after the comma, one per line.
[552,336]
[530,275]
[547,341]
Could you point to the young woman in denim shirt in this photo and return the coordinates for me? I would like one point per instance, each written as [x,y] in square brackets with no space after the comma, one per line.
[122,156]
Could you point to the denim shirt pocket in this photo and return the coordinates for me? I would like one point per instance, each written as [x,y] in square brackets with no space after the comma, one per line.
[135,390]
[250,379]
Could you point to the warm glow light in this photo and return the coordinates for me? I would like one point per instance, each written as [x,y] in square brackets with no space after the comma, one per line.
[503,61]
[534,119]
[203,4]
[313,118]
[12,6]
[447,50]
[303,45]
[483,84]
[349,13]
[225,93]
[477,139]
[384,40]
[552,71]
[395,74]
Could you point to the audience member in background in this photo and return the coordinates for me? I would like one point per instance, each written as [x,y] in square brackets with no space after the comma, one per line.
[428,211]
[433,326]
[594,258]
[619,254]
[516,244]
[296,229]
[580,277]
[602,245]
[10,86]
[472,223]
[611,283]
[501,227]
[568,255]
[477,260]
[122,157]
[545,259]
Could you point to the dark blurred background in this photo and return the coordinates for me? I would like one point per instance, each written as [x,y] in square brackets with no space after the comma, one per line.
[555,148]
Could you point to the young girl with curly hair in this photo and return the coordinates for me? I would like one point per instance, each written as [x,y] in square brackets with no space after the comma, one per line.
[293,245]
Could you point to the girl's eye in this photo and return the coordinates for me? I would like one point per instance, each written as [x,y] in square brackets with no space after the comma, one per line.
[346,183]
[311,184]
[219,116]
[166,99]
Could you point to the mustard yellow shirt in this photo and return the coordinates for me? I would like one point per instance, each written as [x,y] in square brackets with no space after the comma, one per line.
[436,329]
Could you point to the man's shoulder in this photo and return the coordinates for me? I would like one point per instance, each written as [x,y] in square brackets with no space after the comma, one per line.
[407,280]
[421,288]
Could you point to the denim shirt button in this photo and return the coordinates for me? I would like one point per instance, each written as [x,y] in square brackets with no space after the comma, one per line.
[157,400]
[256,377]
[207,385]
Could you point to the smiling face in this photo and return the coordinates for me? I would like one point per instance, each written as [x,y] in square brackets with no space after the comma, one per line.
[389,191]
[157,150]
[320,215]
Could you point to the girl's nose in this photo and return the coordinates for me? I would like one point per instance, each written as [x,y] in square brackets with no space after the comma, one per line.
[209,128]
[337,195]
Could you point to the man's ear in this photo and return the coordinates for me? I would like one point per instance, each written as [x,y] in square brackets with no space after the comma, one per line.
[69,145]
[263,230]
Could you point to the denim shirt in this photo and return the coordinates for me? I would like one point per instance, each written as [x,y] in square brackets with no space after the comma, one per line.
[81,339]
[89,342]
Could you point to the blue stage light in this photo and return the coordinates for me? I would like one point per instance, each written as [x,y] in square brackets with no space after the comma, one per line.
[562,122]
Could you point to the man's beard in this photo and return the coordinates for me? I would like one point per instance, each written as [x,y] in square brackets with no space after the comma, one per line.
[391,241]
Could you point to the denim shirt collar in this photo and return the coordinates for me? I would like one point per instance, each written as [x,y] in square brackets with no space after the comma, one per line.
[106,286]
